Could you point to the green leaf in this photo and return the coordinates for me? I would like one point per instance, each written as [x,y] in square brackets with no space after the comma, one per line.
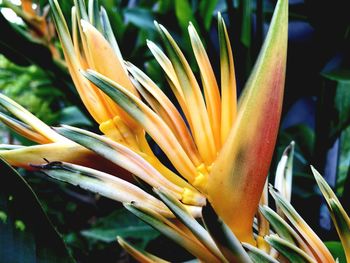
[16,44]
[142,18]
[164,6]
[246,23]
[206,9]
[337,85]
[27,233]
[25,51]
[343,162]
[336,96]
[184,13]
[336,249]
[121,223]
[71,115]
[304,138]
[31,87]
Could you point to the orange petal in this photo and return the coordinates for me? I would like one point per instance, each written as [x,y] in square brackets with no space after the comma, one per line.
[238,175]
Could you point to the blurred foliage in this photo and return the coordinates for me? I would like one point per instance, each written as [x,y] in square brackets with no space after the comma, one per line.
[316,105]
[31,88]
[120,223]
[336,106]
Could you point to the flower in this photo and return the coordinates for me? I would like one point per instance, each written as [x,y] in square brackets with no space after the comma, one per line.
[221,150]
[224,153]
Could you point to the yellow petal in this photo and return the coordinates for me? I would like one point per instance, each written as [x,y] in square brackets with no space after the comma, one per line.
[171,77]
[152,123]
[89,95]
[318,248]
[121,156]
[25,116]
[167,111]
[228,81]
[118,131]
[104,60]
[210,86]
[201,129]
[142,257]
[23,129]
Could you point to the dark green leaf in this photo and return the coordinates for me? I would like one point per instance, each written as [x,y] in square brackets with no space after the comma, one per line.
[140,17]
[246,23]
[341,84]
[73,116]
[336,249]
[164,6]
[335,103]
[344,161]
[28,234]
[185,14]
[206,9]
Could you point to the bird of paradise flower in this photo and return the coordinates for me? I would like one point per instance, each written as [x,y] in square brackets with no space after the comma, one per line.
[221,149]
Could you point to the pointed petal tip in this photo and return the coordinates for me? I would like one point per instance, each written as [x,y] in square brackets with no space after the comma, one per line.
[156,24]
[314,171]
[312,168]
[220,18]
[289,149]
[102,9]
[191,29]
[161,28]
[150,44]
[84,24]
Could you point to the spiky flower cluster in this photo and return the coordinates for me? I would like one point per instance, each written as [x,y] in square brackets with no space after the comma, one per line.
[221,158]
